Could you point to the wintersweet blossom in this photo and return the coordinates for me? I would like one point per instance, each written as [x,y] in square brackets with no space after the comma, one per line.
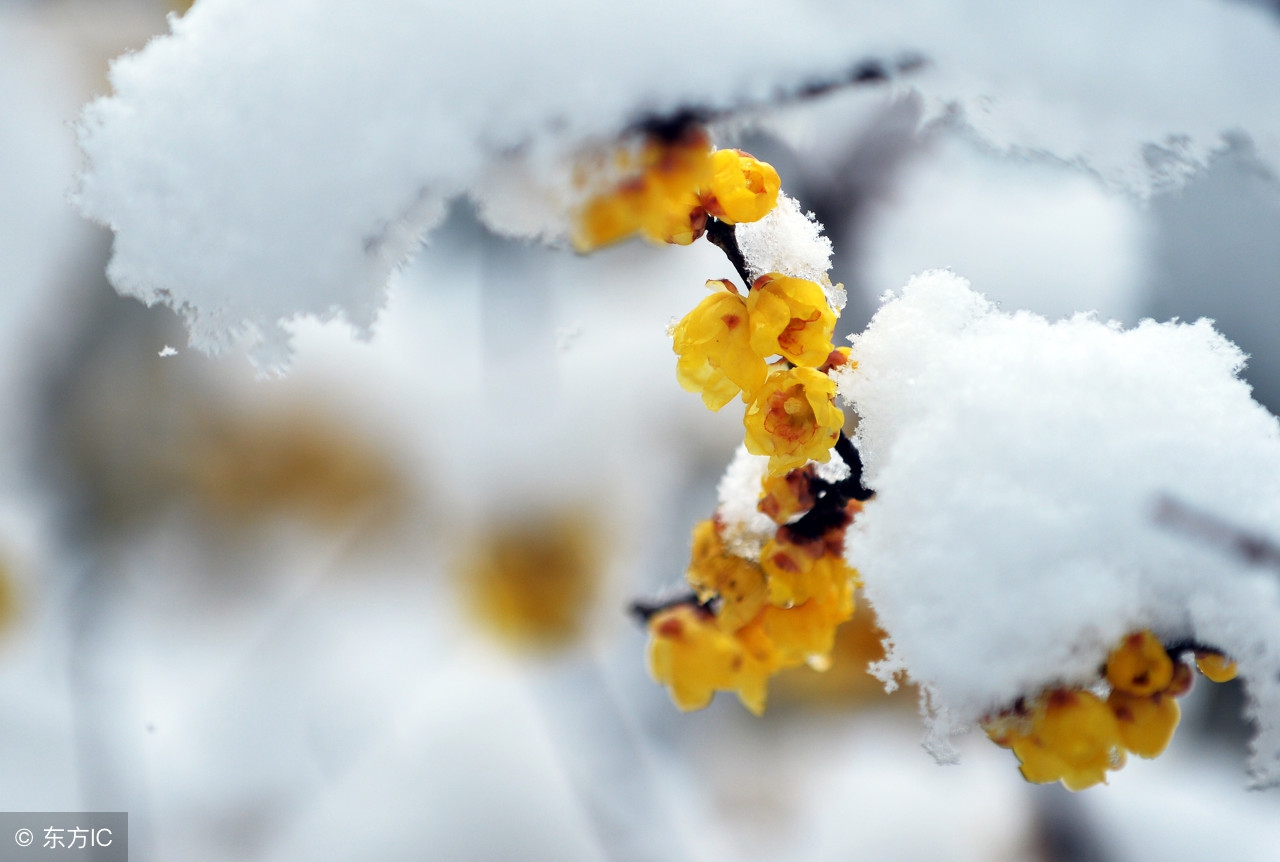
[787,496]
[793,419]
[1074,738]
[713,571]
[741,188]
[1140,665]
[798,572]
[791,317]
[690,655]
[1215,666]
[714,345]
[1146,723]
[658,198]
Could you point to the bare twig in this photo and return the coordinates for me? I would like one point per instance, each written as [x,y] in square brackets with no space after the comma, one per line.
[1249,547]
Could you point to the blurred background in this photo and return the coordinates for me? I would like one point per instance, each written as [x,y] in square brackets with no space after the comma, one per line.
[376,608]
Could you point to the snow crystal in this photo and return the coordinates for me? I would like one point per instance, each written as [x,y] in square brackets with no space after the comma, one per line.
[786,241]
[1017,466]
[272,158]
[745,529]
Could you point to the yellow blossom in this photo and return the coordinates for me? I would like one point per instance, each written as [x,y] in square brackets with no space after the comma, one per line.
[713,344]
[532,582]
[807,631]
[741,187]
[611,217]
[760,662]
[713,571]
[1146,723]
[797,572]
[690,655]
[784,497]
[791,317]
[674,219]
[1074,738]
[1216,666]
[1140,665]
[793,419]
[660,201]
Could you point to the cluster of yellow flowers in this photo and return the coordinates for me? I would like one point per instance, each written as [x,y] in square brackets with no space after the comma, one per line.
[724,346]
[752,620]
[748,620]
[1074,736]
[670,187]
[773,347]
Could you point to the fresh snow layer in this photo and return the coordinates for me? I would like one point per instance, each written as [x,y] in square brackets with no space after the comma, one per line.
[1017,466]
[787,241]
[271,158]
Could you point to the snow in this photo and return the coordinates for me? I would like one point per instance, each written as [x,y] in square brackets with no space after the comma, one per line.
[787,241]
[272,158]
[1017,465]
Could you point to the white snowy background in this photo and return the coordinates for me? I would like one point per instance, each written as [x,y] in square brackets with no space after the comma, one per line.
[282,690]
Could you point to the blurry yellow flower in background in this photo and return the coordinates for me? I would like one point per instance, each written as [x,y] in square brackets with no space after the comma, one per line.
[532,581]
[9,598]
[790,317]
[659,199]
[741,188]
[714,348]
[793,419]
[291,462]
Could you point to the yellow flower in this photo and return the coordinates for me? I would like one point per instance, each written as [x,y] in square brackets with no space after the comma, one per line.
[1216,666]
[714,347]
[661,201]
[807,632]
[610,217]
[784,497]
[1074,738]
[674,219]
[690,655]
[1140,665]
[800,572]
[533,582]
[1146,723]
[760,662]
[791,317]
[741,188]
[713,571]
[793,419]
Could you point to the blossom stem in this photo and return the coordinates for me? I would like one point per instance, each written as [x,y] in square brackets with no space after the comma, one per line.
[643,610]
[830,497]
[724,237]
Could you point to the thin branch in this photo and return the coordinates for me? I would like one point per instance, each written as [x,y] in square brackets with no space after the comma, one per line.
[1249,547]
[873,70]
[724,237]
[644,610]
